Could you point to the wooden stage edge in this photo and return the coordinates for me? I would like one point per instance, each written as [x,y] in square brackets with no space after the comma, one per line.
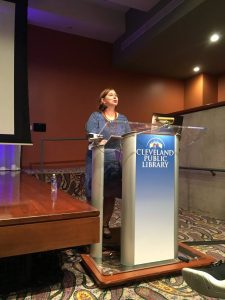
[32,219]
[146,273]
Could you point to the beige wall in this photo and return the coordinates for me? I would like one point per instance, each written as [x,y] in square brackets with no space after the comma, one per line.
[201,189]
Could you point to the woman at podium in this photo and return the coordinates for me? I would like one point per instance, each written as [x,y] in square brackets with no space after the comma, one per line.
[103,124]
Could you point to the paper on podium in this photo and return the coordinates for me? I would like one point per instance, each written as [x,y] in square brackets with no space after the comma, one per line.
[114,142]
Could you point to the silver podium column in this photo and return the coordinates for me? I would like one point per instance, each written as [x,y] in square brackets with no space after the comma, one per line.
[128,199]
[97,192]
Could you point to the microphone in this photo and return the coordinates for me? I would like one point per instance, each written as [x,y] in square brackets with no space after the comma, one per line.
[94,137]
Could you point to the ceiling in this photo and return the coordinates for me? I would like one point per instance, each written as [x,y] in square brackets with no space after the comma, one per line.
[159,37]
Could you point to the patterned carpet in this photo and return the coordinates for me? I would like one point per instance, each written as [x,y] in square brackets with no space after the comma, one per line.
[70,181]
[76,283]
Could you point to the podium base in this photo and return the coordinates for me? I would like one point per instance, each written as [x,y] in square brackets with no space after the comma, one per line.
[108,271]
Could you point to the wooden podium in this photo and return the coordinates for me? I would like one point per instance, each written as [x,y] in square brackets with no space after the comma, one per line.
[149,212]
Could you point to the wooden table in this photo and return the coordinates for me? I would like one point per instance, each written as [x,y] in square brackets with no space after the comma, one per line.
[32,220]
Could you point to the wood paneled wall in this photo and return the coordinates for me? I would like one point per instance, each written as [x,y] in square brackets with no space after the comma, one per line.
[66,75]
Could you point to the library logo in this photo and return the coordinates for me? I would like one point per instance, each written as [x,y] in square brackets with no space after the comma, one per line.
[156,143]
[155,154]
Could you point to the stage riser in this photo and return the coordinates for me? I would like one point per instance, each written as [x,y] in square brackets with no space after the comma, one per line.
[63,233]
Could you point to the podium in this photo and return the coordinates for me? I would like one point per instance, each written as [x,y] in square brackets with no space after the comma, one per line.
[150,196]
[149,210]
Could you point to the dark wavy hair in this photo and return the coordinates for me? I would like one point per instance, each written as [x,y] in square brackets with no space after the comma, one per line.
[102,106]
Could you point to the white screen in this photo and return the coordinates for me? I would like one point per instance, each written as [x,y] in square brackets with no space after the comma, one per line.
[7,32]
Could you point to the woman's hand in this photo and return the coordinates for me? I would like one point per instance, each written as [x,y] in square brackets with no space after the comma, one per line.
[103,142]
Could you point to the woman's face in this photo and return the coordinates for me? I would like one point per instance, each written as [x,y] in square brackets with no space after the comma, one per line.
[111,99]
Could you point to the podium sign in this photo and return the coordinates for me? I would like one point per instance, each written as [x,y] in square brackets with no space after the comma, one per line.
[149,205]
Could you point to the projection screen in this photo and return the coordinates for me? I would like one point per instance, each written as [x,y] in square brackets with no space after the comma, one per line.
[14,108]
[7,21]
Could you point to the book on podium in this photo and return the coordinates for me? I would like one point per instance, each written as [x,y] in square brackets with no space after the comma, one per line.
[114,142]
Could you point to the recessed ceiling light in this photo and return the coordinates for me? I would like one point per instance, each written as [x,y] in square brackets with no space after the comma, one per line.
[196,69]
[214,37]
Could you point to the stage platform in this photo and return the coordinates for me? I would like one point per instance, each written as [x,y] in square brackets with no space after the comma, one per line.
[32,220]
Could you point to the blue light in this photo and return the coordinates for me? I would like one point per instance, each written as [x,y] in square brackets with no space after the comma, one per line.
[9,157]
